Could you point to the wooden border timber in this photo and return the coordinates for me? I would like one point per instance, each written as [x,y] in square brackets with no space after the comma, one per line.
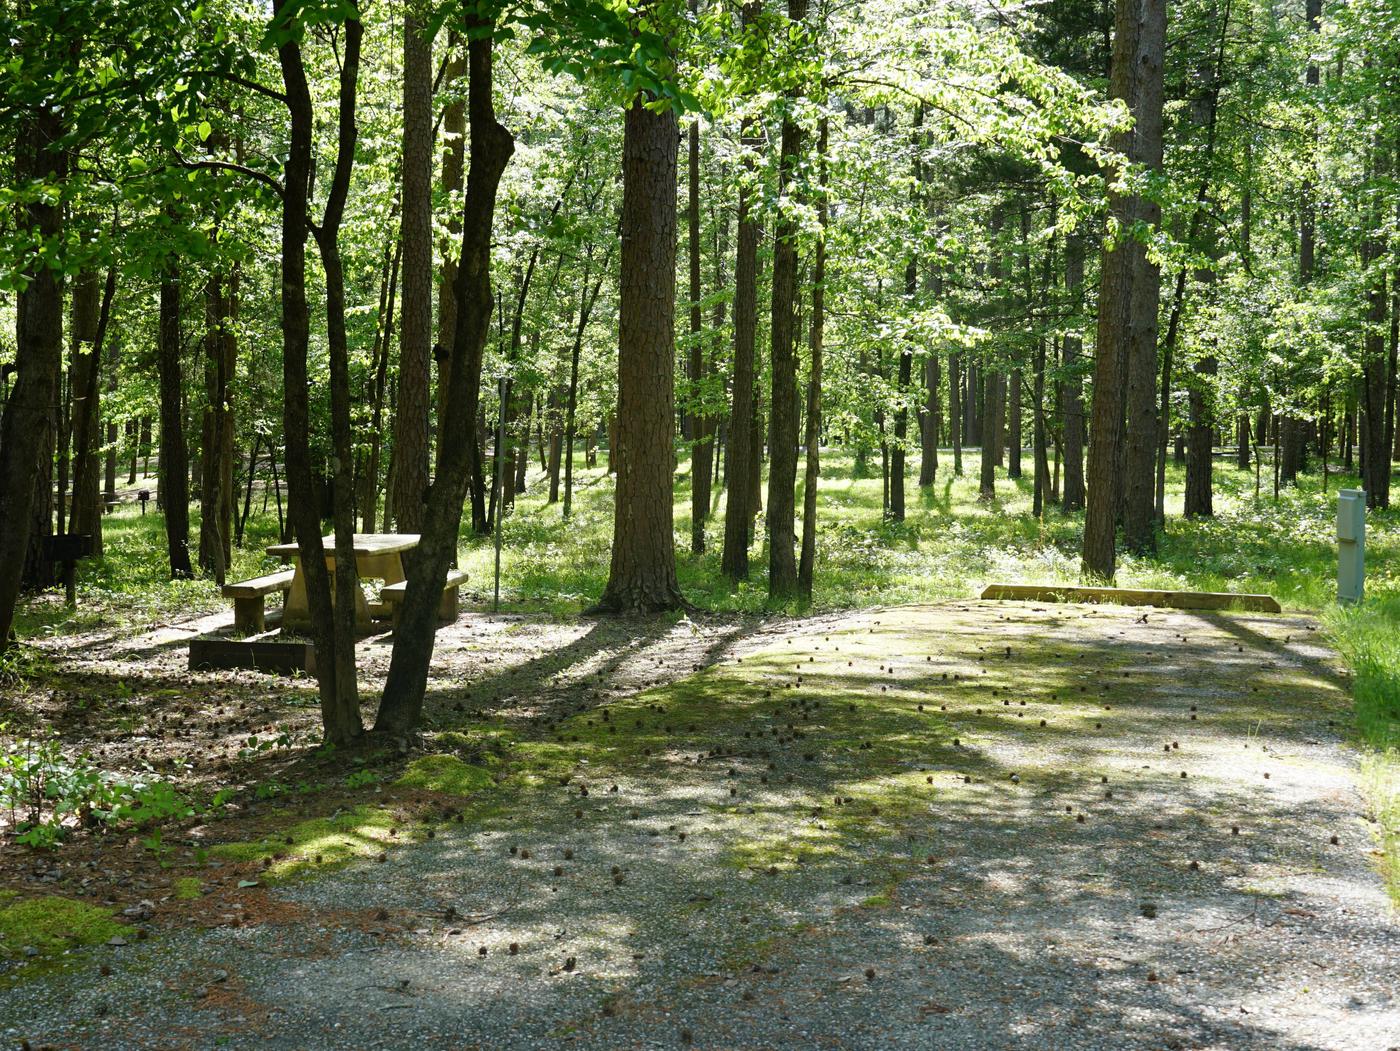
[281,657]
[1133,597]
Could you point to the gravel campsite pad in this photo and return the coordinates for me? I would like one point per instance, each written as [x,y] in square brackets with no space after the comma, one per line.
[972,825]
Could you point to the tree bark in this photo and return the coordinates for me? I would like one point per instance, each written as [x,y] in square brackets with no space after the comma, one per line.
[783,407]
[87,503]
[642,577]
[416,321]
[28,424]
[702,423]
[806,567]
[738,515]
[491,147]
[1139,530]
[1071,496]
[216,466]
[335,645]
[174,464]
[1123,373]
[955,409]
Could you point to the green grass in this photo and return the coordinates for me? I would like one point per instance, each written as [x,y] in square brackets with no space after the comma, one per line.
[948,546]
[1368,638]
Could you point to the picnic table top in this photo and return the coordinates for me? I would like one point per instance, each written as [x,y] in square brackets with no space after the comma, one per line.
[364,544]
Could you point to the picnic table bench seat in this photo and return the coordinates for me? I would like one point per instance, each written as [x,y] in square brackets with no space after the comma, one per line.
[249,612]
[392,595]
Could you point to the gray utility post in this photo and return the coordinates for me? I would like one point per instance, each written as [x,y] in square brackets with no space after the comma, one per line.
[1351,544]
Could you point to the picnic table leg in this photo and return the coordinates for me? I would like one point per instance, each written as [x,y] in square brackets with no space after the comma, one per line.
[386,567]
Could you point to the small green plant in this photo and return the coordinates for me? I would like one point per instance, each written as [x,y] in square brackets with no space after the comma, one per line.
[256,745]
[46,793]
[361,778]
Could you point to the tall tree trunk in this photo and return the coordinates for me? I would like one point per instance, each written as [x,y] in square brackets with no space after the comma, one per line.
[87,504]
[215,479]
[586,301]
[702,423]
[783,408]
[739,508]
[955,409]
[1375,447]
[642,576]
[806,567]
[1139,531]
[332,628]
[28,424]
[491,146]
[901,415]
[1040,493]
[416,324]
[1125,364]
[174,469]
[454,158]
[379,356]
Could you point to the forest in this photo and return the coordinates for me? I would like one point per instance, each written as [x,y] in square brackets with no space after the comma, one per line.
[638,322]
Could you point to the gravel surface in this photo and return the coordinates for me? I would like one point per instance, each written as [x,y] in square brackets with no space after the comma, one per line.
[1028,887]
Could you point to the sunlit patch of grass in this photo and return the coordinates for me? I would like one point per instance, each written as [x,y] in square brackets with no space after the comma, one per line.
[323,843]
[446,774]
[1368,638]
[949,545]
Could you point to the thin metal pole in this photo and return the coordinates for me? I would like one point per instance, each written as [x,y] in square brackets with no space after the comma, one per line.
[503,390]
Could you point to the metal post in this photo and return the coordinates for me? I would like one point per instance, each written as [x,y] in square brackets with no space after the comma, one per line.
[503,390]
[1351,545]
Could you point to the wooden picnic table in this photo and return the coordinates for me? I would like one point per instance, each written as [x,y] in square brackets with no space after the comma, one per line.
[378,556]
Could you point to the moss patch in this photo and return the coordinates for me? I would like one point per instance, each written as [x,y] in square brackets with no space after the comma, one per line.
[187,888]
[321,843]
[445,773]
[51,924]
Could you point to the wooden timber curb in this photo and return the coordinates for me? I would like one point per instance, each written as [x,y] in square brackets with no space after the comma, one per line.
[285,658]
[1133,597]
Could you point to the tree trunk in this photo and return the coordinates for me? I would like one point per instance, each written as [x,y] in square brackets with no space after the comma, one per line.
[216,469]
[383,339]
[1139,530]
[990,439]
[1125,363]
[1072,493]
[642,577]
[739,508]
[28,425]
[454,157]
[416,323]
[806,567]
[783,407]
[702,423]
[335,646]
[955,410]
[174,468]
[491,146]
[87,503]
[1199,442]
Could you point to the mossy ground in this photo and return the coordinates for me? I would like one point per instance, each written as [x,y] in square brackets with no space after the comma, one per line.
[320,844]
[299,849]
[52,924]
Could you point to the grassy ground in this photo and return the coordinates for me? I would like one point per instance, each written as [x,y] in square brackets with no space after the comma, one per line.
[949,545]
